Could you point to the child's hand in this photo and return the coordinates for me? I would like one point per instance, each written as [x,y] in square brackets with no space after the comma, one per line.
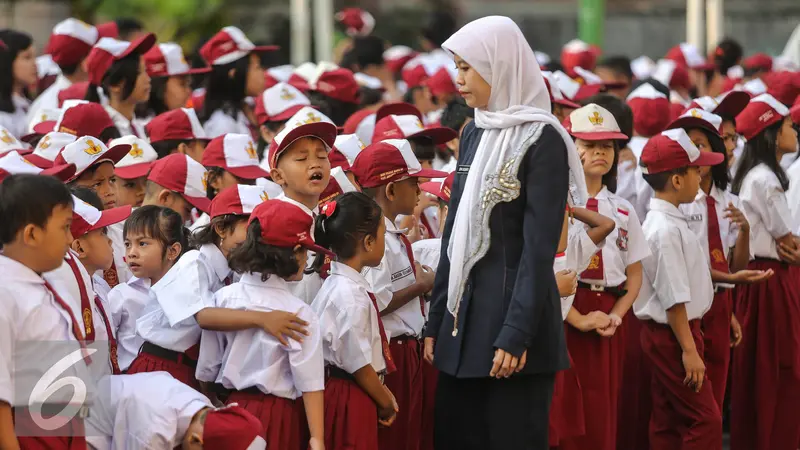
[430,343]
[626,155]
[752,276]
[595,320]
[695,370]
[789,254]
[316,444]
[425,276]
[736,216]
[281,324]
[387,415]
[736,332]
[607,331]
[567,281]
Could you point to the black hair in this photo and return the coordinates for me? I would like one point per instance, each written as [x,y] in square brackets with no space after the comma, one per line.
[225,93]
[719,173]
[159,223]
[69,69]
[212,173]
[16,42]
[619,109]
[155,104]
[29,199]
[87,195]
[207,234]
[125,71]
[254,256]
[165,148]
[369,96]
[727,54]
[263,145]
[761,149]
[439,27]
[424,148]
[408,97]
[618,64]
[365,51]
[355,217]
[658,181]
[456,113]
[337,110]
[109,134]
[127,26]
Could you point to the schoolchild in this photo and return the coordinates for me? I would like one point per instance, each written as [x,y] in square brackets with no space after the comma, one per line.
[18,66]
[274,107]
[177,131]
[95,166]
[170,79]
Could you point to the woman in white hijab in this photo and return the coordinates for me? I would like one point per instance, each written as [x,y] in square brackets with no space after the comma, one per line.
[494,330]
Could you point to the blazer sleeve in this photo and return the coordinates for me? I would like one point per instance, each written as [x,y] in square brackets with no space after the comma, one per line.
[545,188]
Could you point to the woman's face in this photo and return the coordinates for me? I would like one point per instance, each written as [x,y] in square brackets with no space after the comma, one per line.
[24,67]
[475,90]
[255,77]
[787,137]
[177,92]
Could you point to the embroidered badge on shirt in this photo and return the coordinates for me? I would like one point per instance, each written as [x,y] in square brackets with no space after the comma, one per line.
[622,240]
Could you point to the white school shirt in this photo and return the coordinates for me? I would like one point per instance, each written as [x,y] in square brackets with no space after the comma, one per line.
[101,289]
[188,287]
[766,207]
[149,410]
[48,99]
[393,274]
[126,303]
[221,123]
[126,127]
[307,288]
[16,122]
[254,358]
[578,255]
[697,216]
[793,195]
[427,253]
[348,321]
[28,313]
[625,245]
[675,272]
[115,233]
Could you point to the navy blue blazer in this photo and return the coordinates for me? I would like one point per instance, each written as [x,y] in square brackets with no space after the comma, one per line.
[511,298]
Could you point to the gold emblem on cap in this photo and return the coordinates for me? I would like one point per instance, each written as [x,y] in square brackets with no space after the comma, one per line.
[43,118]
[135,152]
[596,119]
[44,143]
[264,196]
[204,180]
[286,95]
[92,149]
[251,150]
[312,118]
[696,113]
[7,138]
[419,124]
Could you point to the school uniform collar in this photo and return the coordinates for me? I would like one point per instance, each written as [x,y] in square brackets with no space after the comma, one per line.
[274,281]
[119,120]
[715,193]
[217,260]
[665,207]
[391,227]
[603,194]
[143,282]
[344,270]
[312,212]
[18,271]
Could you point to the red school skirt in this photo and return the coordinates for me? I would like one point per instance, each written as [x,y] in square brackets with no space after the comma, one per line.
[181,366]
[716,326]
[635,403]
[406,385]
[430,378]
[765,380]
[285,426]
[598,365]
[566,409]
[29,434]
[351,417]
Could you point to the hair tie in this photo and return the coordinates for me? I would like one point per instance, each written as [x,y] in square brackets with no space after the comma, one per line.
[326,212]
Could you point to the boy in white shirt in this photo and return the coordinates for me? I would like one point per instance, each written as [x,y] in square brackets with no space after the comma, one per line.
[676,292]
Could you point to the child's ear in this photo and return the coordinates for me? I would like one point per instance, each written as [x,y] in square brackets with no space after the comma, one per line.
[182,148]
[266,134]
[677,181]
[389,191]
[163,197]
[277,177]
[368,242]
[173,251]
[220,231]
[76,247]
[452,145]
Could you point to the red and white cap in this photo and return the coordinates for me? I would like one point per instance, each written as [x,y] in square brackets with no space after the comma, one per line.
[642,67]
[440,188]
[389,161]
[409,127]
[593,123]
[337,185]
[301,74]
[673,149]
[362,124]
[356,21]
[369,81]
[754,87]
[574,90]
[89,151]
[651,110]
[46,67]
[108,29]
[183,175]
[577,53]
[284,224]
[761,112]
[71,41]
[687,55]
[556,96]
[235,153]
[279,103]
[308,122]
[784,86]
[228,45]
[13,163]
[48,148]
[178,124]
[83,119]
[279,74]
[345,150]
[233,428]
[729,104]
[417,70]
[48,115]
[759,61]
[167,60]
[397,56]
[671,74]
[588,78]
[108,50]
[75,91]
[795,111]
[335,82]
[241,199]
[442,83]
[86,218]
[542,58]
[9,143]
[139,160]
[698,118]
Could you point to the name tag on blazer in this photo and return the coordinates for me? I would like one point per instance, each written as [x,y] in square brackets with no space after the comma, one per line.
[463,169]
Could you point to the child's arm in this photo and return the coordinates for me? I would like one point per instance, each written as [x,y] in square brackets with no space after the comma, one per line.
[8,439]
[600,226]
[592,321]
[368,380]
[692,362]
[740,256]
[422,286]
[315,414]
[276,323]
[633,282]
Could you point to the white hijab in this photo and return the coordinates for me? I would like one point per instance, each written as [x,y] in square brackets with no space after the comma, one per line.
[518,109]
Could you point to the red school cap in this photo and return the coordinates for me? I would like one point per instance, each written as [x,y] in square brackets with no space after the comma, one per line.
[242,199]
[698,118]
[48,148]
[362,124]
[671,74]
[760,61]
[338,184]
[235,153]
[593,123]
[784,86]
[672,150]
[71,41]
[167,60]
[88,152]
[228,45]
[184,176]
[233,428]
[761,112]
[13,163]
[109,50]
[337,83]
[345,150]
[279,103]
[577,53]
[389,161]
[139,160]
[108,29]
[556,96]
[284,224]
[86,218]
[441,83]
[397,56]
[76,91]
[9,143]
[729,104]
[308,122]
[84,119]
[440,188]
[687,55]
[356,21]
[410,127]
[651,110]
[179,124]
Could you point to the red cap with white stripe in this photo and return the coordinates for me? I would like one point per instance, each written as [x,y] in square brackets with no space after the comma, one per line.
[167,60]
[671,74]
[337,83]
[284,224]
[49,147]
[441,83]
[9,143]
[362,124]
[410,127]
[279,103]
[233,428]
[440,188]
[71,41]
[389,161]
[672,150]
[337,185]
[556,96]
[179,124]
[574,90]
[139,160]
[577,53]
[729,104]
[308,122]
[698,118]
[236,153]
[761,112]
[83,119]
[88,152]
[13,163]
[228,45]
[183,175]
[345,150]
[242,199]
[651,110]
[108,50]
[356,21]
[593,123]
[687,55]
[396,57]
[86,218]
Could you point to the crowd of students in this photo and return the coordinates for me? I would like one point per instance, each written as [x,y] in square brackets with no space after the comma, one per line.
[257,254]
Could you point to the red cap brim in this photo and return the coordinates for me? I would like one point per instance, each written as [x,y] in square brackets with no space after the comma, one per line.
[113,155]
[140,46]
[733,103]
[439,135]
[38,161]
[429,173]
[599,136]
[44,127]
[266,48]
[248,172]
[133,172]
[201,203]
[567,103]
[321,130]
[63,172]
[286,115]
[708,159]
[433,188]
[112,216]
